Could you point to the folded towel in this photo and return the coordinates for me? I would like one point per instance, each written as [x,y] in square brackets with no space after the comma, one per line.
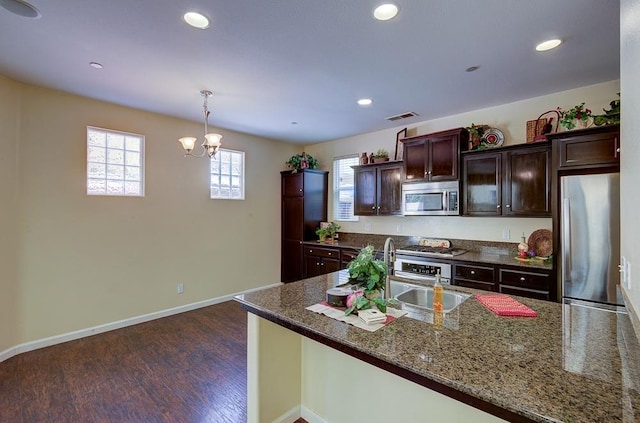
[504,305]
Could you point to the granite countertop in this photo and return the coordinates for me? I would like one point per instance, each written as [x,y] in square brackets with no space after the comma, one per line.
[571,363]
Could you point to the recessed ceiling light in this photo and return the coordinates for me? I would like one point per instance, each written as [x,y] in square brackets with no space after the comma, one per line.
[20,8]
[472,68]
[96,65]
[548,45]
[196,20]
[294,123]
[365,102]
[386,11]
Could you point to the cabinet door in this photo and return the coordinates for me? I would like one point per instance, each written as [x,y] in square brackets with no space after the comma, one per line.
[589,150]
[291,261]
[293,185]
[475,276]
[365,194]
[482,181]
[390,190]
[292,218]
[415,160]
[443,158]
[527,182]
[312,266]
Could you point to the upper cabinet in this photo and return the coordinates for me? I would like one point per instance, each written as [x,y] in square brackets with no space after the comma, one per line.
[378,189]
[586,148]
[511,181]
[434,157]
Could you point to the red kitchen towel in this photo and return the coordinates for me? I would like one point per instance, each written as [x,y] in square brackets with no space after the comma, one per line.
[504,305]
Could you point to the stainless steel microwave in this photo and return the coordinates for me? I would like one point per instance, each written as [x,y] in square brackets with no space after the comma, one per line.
[431,199]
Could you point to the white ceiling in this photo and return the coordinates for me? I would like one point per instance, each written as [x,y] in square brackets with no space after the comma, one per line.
[274,62]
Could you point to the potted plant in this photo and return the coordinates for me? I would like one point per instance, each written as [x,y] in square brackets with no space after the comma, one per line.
[380,156]
[611,116]
[302,161]
[577,116]
[476,132]
[322,234]
[332,229]
[370,277]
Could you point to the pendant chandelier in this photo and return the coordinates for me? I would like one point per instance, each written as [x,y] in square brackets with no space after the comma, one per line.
[211,142]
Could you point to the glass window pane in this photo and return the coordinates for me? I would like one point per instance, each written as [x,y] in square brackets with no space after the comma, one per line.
[96,154]
[97,139]
[115,140]
[132,159]
[132,143]
[223,166]
[343,182]
[109,165]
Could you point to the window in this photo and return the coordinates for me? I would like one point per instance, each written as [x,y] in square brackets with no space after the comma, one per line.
[115,163]
[343,187]
[227,175]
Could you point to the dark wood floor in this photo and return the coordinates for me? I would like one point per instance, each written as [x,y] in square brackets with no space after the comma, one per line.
[189,367]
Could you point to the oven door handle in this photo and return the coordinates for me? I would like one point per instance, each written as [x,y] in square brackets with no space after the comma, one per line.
[445,201]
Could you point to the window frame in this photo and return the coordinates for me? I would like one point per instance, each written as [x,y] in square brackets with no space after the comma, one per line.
[337,190]
[242,177]
[140,165]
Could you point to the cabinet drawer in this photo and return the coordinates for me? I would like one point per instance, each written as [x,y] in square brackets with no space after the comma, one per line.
[322,252]
[525,279]
[485,286]
[589,150]
[475,273]
[523,292]
[348,254]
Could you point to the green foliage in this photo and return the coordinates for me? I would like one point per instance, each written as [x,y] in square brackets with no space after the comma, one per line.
[333,228]
[295,162]
[381,153]
[568,117]
[368,272]
[611,116]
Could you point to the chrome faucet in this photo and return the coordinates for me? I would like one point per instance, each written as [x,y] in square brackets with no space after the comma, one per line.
[389,259]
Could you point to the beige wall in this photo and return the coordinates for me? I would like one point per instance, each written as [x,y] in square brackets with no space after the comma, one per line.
[9,289]
[630,144]
[510,118]
[89,260]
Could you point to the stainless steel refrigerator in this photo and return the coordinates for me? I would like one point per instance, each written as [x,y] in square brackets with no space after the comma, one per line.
[590,237]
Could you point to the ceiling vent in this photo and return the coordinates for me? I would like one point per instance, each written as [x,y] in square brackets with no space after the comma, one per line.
[402,116]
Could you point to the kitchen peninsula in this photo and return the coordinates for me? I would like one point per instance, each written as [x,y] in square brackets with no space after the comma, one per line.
[569,364]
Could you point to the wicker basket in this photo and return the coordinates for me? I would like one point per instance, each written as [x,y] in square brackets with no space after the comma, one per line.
[541,242]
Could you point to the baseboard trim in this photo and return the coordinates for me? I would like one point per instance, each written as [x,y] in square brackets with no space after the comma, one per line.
[290,416]
[83,333]
[311,417]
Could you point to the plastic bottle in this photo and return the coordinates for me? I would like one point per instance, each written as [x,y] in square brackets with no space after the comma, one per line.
[438,292]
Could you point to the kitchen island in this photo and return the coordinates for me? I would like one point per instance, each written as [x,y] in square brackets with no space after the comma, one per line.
[570,364]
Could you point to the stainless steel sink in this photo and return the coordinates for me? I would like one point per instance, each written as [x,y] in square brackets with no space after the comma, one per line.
[422,296]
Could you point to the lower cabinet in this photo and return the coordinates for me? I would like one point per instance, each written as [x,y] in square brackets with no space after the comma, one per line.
[346,255]
[320,260]
[531,282]
[534,283]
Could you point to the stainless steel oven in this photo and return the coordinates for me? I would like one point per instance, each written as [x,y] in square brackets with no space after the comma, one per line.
[431,199]
[421,268]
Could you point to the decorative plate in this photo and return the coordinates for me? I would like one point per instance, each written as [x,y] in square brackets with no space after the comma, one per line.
[540,242]
[493,137]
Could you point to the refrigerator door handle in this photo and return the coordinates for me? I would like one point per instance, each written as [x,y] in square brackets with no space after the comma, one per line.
[566,240]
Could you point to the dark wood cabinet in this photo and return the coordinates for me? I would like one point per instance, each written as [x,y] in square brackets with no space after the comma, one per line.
[303,207]
[378,189]
[347,255]
[528,282]
[586,148]
[320,260]
[433,157]
[514,181]
[475,276]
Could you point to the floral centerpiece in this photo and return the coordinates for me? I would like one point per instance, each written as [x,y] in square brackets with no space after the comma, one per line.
[577,115]
[370,276]
[302,161]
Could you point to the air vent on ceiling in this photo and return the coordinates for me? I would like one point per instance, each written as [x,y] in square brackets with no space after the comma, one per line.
[402,116]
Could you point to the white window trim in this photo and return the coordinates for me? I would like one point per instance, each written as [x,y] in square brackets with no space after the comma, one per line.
[142,166]
[242,173]
[336,191]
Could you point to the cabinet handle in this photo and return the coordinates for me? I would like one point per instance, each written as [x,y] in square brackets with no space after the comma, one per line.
[321,264]
[498,206]
[473,272]
[522,279]
[311,251]
[300,189]
[329,254]
[373,207]
[508,205]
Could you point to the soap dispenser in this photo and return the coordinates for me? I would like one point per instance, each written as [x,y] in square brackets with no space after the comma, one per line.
[523,247]
[438,291]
